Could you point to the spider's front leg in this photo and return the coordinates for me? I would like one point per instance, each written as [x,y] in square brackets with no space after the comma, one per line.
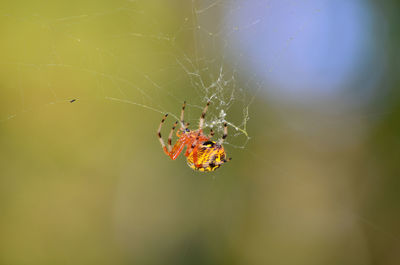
[172,152]
[159,135]
[177,149]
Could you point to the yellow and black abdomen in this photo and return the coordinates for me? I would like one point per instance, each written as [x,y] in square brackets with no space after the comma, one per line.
[210,156]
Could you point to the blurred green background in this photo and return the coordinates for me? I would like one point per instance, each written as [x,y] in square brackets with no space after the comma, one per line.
[87,182]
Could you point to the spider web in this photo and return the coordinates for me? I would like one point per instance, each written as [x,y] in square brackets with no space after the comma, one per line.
[148,55]
[126,53]
[137,60]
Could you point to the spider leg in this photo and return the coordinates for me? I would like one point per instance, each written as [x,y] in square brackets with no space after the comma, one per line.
[211,134]
[177,149]
[182,115]
[225,133]
[159,134]
[170,136]
[203,115]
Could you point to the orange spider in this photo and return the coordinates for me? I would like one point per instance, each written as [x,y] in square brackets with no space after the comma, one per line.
[202,154]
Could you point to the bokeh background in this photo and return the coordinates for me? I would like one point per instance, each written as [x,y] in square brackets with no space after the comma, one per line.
[85,182]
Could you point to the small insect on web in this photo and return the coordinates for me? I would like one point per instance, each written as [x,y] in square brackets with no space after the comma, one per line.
[202,153]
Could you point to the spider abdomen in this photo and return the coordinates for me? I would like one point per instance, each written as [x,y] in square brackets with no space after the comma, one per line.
[210,156]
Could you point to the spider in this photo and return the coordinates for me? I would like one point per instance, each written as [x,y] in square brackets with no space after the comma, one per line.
[202,153]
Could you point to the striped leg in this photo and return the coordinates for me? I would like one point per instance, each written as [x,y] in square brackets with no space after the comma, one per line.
[182,115]
[159,135]
[203,115]
[225,133]
[222,140]
[211,134]
[170,136]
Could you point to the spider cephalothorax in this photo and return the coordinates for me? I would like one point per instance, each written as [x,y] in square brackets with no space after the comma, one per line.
[202,153]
